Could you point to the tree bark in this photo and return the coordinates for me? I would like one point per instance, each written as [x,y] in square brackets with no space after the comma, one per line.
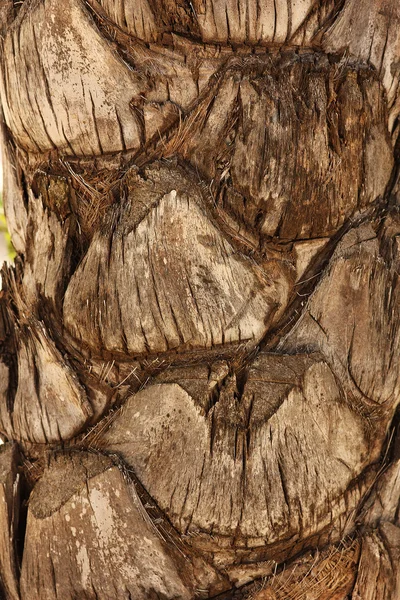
[199,339]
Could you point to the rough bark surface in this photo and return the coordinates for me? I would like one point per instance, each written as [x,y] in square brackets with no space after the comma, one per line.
[199,339]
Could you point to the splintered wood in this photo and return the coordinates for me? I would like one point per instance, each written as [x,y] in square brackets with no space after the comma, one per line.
[378,574]
[199,340]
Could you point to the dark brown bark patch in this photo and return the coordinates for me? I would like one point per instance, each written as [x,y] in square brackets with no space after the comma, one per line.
[294,145]
[51,493]
[370,31]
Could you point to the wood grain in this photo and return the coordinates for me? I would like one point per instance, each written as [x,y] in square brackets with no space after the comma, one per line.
[254,471]
[9,518]
[88,536]
[161,276]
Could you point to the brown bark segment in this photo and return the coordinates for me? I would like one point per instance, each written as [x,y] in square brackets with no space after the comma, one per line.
[141,287]
[46,270]
[331,117]
[13,195]
[246,476]
[9,520]
[369,31]
[63,87]
[378,575]
[358,282]
[48,404]
[214,21]
[88,536]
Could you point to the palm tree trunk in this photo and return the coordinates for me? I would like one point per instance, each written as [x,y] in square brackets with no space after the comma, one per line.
[199,339]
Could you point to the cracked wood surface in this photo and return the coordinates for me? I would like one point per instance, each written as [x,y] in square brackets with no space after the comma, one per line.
[199,340]
[89,517]
[160,276]
[247,479]
[10,488]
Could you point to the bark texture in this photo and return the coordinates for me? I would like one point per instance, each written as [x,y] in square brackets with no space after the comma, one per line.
[199,339]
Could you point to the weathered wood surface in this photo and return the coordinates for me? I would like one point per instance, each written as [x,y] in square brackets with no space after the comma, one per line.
[378,574]
[168,250]
[13,196]
[63,88]
[199,342]
[49,404]
[9,521]
[331,116]
[216,21]
[370,32]
[88,536]
[255,472]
